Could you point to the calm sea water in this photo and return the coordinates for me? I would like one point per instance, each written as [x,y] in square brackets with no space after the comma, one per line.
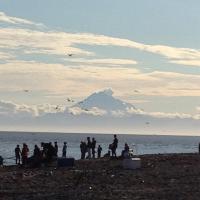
[142,144]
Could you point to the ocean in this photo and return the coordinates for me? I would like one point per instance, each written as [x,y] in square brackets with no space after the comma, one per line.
[142,144]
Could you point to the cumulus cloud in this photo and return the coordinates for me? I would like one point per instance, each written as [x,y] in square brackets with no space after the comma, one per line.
[8,108]
[160,114]
[92,111]
[11,109]
[118,113]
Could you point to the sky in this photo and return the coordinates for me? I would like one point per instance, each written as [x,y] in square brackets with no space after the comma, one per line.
[147,52]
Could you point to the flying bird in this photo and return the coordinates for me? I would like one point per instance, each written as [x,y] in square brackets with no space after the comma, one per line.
[136,91]
[26,90]
[147,123]
[57,107]
[70,54]
[70,100]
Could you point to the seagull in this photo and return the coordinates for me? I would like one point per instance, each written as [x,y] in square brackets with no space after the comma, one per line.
[147,123]
[70,54]
[70,100]
[26,90]
[136,91]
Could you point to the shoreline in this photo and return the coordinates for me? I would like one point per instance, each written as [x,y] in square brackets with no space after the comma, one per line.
[161,176]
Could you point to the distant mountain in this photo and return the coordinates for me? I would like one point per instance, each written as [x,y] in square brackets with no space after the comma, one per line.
[101,112]
[104,100]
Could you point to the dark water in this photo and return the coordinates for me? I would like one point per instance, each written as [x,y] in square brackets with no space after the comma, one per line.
[142,144]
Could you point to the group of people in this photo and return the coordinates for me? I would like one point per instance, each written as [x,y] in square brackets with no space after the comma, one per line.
[88,149]
[47,152]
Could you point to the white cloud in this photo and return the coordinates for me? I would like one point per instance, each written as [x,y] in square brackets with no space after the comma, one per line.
[92,111]
[198,108]
[191,62]
[62,43]
[76,82]
[8,108]
[11,109]
[118,113]
[15,20]
[6,56]
[110,61]
[161,114]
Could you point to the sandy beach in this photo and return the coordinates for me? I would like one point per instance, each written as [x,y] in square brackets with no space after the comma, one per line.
[172,176]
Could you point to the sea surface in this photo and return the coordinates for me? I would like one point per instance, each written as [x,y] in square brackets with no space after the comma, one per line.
[142,144]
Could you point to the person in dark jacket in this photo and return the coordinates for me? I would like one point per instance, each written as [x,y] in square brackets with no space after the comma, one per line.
[99,150]
[37,152]
[25,151]
[125,152]
[89,147]
[64,150]
[56,148]
[83,148]
[93,145]
[17,155]
[1,161]
[37,157]
[114,146]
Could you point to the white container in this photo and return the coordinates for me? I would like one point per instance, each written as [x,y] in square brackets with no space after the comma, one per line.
[131,163]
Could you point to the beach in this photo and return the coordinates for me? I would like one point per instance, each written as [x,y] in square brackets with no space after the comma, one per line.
[162,176]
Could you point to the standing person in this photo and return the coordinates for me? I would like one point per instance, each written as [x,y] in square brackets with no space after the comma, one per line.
[17,155]
[114,146]
[64,150]
[89,146]
[50,152]
[83,148]
[56,148]
[25,151]
[37,157]
[199,147]
[99,150]
[93,145]
[125,152]
[36,152]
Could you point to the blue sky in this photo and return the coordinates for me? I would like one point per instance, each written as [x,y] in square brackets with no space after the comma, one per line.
[151,21]
[162,63]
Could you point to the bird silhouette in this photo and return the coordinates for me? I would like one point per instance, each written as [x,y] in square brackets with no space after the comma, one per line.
[70,100]
[57,107]
[70,54]
[136,91]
